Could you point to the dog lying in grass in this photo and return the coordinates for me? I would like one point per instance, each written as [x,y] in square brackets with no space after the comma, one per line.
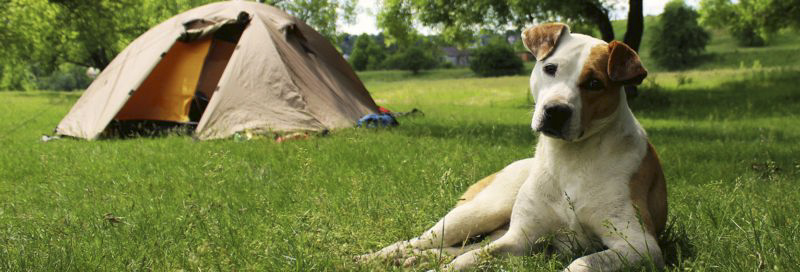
[594,185]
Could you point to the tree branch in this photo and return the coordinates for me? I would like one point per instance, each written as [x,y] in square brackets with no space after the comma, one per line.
[77,63]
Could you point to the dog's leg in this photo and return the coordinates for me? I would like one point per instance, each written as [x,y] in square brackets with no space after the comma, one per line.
[486,211]
[631,246]
[512,243]
[470,219]
[450,252]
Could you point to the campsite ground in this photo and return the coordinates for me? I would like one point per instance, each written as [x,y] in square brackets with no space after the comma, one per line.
[727,134]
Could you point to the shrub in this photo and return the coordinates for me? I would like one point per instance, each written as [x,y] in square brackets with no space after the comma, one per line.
[413,58]
[495,59]
[750,22]
[15,76]
[67,77]
[367,54]
[747,35]
[678,40]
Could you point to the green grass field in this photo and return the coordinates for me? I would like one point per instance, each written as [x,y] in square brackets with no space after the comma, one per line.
[727,135]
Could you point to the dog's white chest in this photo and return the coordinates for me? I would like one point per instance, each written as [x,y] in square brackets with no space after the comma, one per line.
[576,192]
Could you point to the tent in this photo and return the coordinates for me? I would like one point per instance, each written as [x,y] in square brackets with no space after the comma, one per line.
[225,67]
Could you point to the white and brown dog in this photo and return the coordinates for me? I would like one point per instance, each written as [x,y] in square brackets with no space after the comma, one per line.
[595,182]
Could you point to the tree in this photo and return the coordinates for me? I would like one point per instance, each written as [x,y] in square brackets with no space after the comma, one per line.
[323,15]
[367,53]
[678,38]
[751,22]
[495,59]
[28,34]
[458,20]
[412,58]
[40,35]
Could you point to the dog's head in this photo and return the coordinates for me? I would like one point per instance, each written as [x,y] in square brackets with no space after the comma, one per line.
[577,80]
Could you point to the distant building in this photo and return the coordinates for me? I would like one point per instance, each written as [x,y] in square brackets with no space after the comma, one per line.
[456,56]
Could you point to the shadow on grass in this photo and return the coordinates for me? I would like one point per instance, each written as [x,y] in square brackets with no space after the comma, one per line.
[485,133]
[53,97]
[687,134]
[675,245]
[764,57]
[763,94]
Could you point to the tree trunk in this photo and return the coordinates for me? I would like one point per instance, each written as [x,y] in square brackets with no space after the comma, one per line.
[633,36]
[600,17]
[99,58]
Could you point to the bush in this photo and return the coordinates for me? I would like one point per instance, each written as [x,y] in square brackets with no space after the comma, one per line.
[750,22]
[67,77]
[495,59]
[678,40]
[15,75]
[413,58]
[747,35]
[367,54]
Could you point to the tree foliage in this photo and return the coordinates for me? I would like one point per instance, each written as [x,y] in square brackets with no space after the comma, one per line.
[495,59]
[422,56]
[39,36]
[368,53]
[27,34]
[678,39]
[458,21]
[323,15]
[751,22]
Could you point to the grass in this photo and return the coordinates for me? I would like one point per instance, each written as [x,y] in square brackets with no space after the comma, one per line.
[727,137]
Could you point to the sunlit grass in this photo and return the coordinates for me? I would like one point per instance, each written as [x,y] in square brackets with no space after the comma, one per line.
[727,137]
[729,153]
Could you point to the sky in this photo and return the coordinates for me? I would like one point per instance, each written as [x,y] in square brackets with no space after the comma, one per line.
[367,10]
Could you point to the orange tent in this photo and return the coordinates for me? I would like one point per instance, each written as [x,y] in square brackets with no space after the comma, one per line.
[261,69]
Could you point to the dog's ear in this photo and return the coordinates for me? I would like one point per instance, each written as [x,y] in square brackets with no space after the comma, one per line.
[542,39]
[624,65]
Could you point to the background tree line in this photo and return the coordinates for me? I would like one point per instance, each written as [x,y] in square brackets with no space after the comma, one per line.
[48,44]
[678,37]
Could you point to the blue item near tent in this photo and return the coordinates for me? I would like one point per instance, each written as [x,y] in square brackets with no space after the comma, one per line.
[377,120]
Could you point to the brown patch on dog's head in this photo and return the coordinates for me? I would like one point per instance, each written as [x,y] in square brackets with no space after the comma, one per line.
[542,39]
[607,69]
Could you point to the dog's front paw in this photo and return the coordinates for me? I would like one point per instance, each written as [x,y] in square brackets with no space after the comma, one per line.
[578,265]
[422,257]
[364,258]
[395,253]
[462,262]
[389,252]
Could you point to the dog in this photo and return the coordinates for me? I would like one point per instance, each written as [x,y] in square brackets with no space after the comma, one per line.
[594,185]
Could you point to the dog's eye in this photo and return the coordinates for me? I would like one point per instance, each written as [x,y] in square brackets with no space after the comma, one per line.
[550,69]
[594,84]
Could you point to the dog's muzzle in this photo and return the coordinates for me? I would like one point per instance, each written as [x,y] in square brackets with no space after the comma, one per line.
[555,121]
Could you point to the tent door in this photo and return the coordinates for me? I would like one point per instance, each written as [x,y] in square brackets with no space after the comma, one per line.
[224,43]
[165,94]
[214,66]
[180,86]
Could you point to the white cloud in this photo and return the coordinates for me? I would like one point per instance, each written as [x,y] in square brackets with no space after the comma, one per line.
[365,20]
[656,7]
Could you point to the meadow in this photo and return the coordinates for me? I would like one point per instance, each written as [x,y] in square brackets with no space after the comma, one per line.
[727,133]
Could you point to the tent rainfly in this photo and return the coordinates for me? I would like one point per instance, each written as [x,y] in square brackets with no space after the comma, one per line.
[226,67]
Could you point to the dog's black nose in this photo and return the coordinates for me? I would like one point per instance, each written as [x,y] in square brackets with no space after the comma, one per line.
[556,118]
